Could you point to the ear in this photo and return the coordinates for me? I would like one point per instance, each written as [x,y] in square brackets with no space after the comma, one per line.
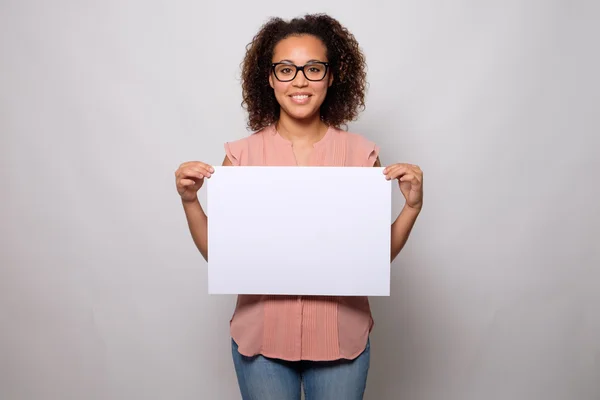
[330,80]
[271,81]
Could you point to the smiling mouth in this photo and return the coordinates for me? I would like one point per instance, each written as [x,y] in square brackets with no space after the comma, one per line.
[300,96]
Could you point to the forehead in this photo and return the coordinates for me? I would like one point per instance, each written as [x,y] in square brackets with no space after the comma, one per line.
[300,49]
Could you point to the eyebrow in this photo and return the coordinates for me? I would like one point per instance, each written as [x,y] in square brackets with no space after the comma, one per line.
[309,61]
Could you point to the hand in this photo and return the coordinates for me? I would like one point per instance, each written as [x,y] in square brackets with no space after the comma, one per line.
[189,178]
[410,180]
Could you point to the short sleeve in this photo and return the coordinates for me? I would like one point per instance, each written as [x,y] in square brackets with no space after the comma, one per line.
[235,151]
[373,151]
[364,152]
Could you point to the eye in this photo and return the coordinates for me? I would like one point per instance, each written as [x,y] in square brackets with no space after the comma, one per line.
[284,70]
[315,68]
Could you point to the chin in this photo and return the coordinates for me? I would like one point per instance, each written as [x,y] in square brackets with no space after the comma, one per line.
[301,114]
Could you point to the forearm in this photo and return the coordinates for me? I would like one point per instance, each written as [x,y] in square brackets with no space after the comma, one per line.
[401,229]
[198,225]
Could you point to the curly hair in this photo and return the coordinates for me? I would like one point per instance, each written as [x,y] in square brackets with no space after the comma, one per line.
[346,96]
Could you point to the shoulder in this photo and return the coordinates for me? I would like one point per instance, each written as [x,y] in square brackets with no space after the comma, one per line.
[353,138]
[239,150]
[361,149]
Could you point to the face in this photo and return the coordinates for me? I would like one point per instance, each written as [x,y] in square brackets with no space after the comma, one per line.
[300,98]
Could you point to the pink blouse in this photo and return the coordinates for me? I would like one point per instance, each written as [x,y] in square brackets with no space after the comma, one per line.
[317,328]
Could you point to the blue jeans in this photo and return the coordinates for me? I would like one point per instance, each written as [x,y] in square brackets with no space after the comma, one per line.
[262,378]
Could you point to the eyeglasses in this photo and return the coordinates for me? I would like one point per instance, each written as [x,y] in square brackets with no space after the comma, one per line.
[313,71]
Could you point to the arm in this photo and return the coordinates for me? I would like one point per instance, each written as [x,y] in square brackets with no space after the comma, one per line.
[404,223]
[401,229]
[198,221]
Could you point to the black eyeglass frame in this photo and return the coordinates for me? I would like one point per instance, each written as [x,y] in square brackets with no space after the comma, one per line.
[300,68]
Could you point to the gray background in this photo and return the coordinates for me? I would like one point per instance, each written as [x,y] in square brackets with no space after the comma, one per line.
[102,293]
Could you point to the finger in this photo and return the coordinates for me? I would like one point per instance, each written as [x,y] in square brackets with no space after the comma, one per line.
[396,172]
[417,170]
[207,167]
[387,169]
[187,182]
[195,170]
[411,178]
[204,171]
[393,166]
[197,164]
[191,173]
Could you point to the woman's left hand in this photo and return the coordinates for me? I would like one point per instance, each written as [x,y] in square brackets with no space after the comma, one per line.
[410,180]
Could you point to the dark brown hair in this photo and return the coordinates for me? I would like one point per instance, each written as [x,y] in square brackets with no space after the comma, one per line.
[346,96]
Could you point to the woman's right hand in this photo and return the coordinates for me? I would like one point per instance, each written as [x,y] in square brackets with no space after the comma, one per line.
[189,178]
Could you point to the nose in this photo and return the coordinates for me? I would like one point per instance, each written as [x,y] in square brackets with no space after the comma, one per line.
[300,79]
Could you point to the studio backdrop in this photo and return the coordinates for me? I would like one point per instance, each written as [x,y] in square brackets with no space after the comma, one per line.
[103,295]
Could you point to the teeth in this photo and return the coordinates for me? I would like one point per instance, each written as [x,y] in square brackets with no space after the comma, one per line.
[304,96]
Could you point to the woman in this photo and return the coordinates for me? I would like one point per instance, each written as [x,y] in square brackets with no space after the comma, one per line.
[302,80]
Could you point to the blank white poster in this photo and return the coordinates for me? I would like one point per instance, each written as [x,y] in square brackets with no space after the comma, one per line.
[299,231]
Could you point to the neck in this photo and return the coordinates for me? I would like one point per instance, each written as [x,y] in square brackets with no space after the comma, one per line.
[306,131]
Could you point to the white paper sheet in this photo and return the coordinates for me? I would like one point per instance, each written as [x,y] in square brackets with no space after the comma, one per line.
[299,231]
